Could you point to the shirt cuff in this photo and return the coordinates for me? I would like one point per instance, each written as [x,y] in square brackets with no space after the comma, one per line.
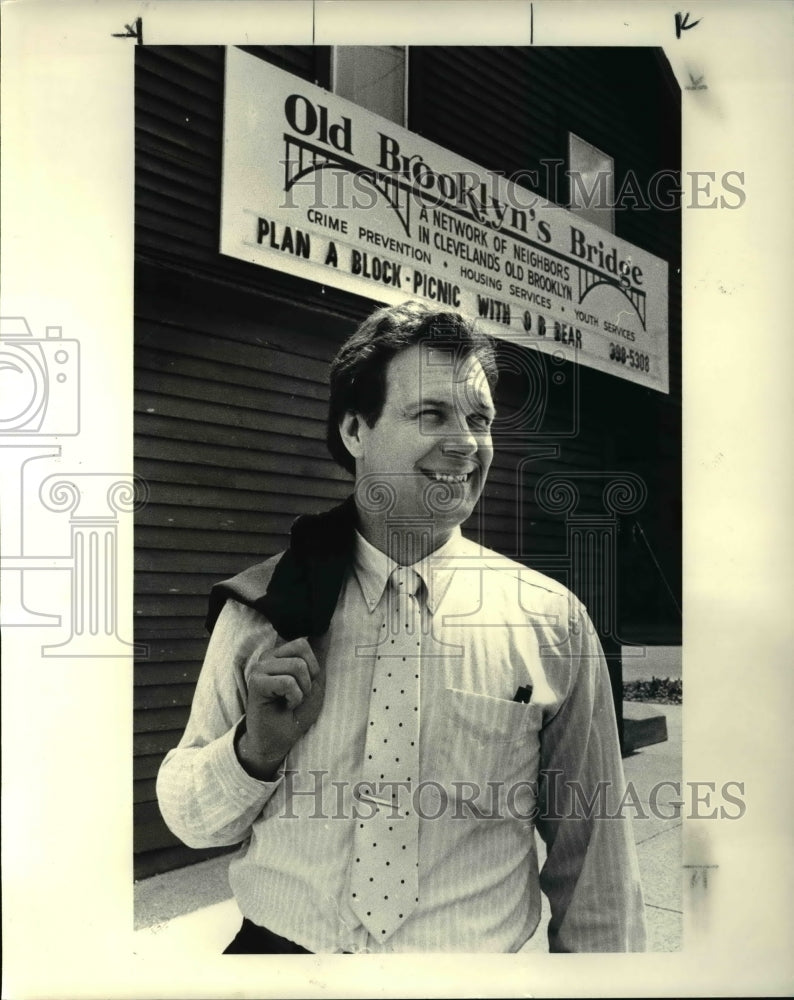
[237,786]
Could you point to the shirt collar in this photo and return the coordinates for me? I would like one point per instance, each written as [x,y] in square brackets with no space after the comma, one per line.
[373,569]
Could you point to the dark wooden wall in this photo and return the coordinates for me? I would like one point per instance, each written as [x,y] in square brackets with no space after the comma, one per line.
[231,359]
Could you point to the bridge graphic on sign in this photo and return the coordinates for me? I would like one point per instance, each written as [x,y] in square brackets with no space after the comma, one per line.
[303,158]
[590,279]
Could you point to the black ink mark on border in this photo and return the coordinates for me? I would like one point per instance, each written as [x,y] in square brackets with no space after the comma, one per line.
[700,874]
[134,30]
[682,23]
[697,83]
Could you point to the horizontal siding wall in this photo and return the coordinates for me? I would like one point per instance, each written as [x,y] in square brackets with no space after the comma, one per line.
[230,428]
[231,364]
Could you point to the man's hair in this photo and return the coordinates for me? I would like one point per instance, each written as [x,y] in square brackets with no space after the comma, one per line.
[358,372]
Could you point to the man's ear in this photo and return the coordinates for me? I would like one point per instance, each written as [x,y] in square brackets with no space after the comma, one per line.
[350,427]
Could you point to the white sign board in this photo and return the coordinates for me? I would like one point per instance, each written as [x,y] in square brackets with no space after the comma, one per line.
[318,187]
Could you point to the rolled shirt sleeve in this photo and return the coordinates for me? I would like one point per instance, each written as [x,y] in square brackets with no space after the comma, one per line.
[206,797]
[591,875]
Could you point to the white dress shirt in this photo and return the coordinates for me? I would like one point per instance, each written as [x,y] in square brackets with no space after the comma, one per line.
[491,625]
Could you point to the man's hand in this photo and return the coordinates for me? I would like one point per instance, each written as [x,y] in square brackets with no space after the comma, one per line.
[285,694]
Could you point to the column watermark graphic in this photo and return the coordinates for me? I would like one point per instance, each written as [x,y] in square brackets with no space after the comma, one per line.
[39,405]
[590,557]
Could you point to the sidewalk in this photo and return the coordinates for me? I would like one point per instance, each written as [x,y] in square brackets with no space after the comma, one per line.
[192,908]
[658,839]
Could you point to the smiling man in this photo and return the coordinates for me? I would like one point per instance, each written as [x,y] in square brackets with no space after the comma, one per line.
[388,712]
[425,434]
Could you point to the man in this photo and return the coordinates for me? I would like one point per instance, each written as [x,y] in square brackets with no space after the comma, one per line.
[387,711]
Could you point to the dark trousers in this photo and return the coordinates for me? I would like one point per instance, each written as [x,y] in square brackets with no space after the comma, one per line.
[252,939]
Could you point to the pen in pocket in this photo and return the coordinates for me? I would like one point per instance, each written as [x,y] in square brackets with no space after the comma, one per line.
[523,694]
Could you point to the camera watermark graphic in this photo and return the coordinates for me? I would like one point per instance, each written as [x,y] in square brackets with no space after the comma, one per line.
[544,385]
[39,379]
[39,404]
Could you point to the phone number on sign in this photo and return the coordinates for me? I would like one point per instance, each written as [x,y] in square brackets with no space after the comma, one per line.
[617,352]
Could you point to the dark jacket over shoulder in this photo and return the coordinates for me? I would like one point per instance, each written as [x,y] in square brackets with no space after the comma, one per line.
[304,587]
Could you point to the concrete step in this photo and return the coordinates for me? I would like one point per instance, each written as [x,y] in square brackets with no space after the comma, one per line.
[643,732]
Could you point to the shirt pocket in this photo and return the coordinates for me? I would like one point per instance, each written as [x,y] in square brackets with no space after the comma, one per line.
[485,751]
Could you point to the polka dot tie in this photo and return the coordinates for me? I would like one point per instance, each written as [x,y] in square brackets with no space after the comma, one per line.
[384,882]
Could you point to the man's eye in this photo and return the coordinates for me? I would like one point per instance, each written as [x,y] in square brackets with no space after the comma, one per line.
[480,422]
[432,414]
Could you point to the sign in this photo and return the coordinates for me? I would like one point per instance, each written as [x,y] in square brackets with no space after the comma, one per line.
[318,187]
